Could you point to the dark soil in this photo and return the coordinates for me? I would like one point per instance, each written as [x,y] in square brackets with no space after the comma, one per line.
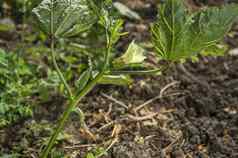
[200,122]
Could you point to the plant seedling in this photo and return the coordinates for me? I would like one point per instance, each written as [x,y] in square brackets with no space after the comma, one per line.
[177,35]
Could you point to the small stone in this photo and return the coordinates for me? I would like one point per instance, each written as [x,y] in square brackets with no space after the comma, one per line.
[234,52]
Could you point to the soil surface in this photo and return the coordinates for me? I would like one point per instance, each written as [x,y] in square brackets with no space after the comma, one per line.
[191,111]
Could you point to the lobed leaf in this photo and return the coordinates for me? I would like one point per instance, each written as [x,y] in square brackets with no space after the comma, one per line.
[70,17]
[177,34]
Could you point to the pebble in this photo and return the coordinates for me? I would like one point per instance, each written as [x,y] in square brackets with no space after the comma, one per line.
[233,52]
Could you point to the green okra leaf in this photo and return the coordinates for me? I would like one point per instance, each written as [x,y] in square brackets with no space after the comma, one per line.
[70,17]
[178,34]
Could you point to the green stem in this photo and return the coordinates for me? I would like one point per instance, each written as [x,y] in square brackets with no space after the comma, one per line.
[59,73]
[72,105]
[138,72]
[143,72]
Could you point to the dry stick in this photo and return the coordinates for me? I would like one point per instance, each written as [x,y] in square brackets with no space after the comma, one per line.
[160,96]
[112,123]
[109,110]
[115,100]
[154,99]
[138,123]
[167,87]
[106,126]
[147,117]
[80,146]
[106,116]
[116,130]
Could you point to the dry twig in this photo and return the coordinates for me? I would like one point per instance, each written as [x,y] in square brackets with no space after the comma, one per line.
[115,100]
[142,118]
[161,94]
[154,99]
[80,146]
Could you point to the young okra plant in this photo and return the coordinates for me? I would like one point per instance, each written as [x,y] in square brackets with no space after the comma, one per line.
[177,35]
